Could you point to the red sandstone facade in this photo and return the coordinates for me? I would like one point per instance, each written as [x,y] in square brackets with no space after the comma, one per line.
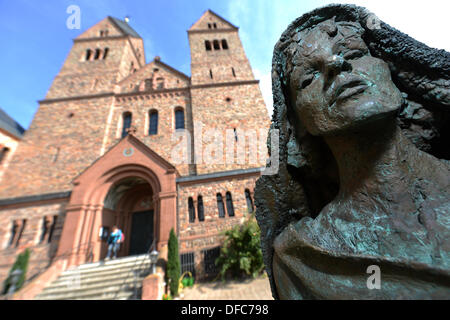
[91,158]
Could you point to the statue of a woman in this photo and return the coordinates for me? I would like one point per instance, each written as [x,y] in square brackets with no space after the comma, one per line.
[360,207]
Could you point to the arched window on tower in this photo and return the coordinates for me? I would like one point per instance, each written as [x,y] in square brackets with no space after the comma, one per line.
[230,208]
[3,153]
[126,123]
[224,44]
[153,123]
[105,53]
[88,54]
[179,118]
[249,200]
[200,209]
[97,54]
[207,45]
[220,206]
[191,209]
[216,45]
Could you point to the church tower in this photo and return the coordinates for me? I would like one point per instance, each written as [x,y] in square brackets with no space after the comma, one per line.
[67,132]
[225,95]
[100,57]
[217,54]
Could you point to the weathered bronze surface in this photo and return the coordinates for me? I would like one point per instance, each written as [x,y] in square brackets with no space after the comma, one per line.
[363,117]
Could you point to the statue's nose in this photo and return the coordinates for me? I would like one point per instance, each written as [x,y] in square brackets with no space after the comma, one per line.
[335,65]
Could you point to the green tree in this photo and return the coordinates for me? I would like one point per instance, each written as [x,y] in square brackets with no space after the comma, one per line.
[173,264]
[20,264]
[241,253]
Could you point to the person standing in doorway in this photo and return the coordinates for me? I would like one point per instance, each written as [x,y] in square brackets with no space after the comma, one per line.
[114,241]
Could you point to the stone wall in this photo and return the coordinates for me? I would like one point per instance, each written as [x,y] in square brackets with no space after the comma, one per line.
[245,111]
[63,139]
[152,72]
[42,252]
[202,235]
[164,143]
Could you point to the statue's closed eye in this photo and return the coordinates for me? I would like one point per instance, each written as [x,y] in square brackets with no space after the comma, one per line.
[353,54]
[309,79]
[307,82]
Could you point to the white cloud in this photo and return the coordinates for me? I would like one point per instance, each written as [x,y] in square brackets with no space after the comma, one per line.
[425,21]
[265,84]
[262,22]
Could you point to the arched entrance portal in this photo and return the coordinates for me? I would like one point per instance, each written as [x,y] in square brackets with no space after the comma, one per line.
[129,205]
[129,186]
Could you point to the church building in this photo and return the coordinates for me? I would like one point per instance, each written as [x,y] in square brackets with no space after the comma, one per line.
[118,141]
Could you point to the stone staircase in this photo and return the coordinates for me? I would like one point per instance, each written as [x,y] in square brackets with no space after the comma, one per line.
[119,279]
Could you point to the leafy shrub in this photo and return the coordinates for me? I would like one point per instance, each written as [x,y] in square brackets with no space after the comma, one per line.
[241,253]
[20,264]
[173,264]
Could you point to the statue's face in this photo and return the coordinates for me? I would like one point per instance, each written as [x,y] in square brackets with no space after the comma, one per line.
[335,84]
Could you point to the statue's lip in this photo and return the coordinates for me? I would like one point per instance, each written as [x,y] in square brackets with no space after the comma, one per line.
[349,88]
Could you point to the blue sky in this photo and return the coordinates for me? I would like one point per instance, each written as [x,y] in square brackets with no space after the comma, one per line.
[36,41]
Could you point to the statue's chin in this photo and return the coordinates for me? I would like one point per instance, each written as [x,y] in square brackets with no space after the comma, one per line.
[381,119]
[381,116]
[362,114]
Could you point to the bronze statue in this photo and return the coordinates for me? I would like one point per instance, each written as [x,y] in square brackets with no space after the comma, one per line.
[363,117]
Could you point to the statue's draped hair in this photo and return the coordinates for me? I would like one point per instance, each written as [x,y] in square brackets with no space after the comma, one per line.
[307,178]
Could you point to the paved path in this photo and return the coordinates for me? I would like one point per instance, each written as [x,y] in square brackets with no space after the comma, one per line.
[252,289]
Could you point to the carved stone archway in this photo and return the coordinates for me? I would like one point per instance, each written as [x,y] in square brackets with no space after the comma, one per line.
[128,159]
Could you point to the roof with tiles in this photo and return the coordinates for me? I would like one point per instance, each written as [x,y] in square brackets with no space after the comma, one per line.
[10,125]
[125,27]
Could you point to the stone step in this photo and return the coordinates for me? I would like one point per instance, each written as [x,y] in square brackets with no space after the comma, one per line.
[123,295]
[91,284]
[105,270]
[110,276]
[103,276]
[113,262]
[104,280]
[102,265]
[111,290]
